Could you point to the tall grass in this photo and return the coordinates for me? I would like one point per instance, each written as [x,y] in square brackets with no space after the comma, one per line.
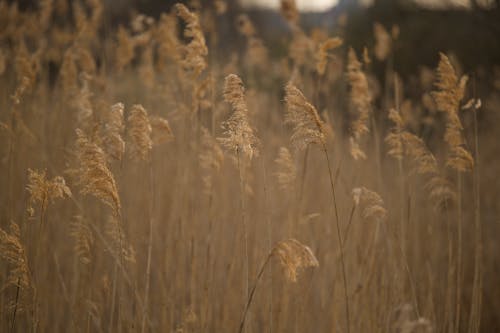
[170,220]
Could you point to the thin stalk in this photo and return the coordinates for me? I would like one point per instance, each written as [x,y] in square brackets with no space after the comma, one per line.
[15,306]
[449,283]
[351,215]
[150,247]
[270,244]
[475,315]
[341,245]
[245,235]
[252,292]
[400,170]
[459,253]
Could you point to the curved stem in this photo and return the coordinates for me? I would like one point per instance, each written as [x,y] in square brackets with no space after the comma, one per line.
[252,292]
[337,224]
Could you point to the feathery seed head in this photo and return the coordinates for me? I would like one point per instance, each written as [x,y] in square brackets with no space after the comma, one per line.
[43,191]
[450,93]
[14,253]
[322,53]
[239,135]
[370,203]
[139,133]
[195,52]
[113,130]
[308,128]
[161,131]
[94,177]
[294,256]
[290,12]
[287,172]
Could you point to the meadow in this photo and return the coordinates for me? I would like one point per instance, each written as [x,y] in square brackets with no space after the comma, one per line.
[156,179]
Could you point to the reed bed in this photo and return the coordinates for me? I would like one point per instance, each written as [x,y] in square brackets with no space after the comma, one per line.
[156,179]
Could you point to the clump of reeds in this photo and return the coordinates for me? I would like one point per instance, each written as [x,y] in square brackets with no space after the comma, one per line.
[240,140]
[308,128]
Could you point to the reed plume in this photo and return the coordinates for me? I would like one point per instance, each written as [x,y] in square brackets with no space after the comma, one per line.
[167,36]
[195,51]
[289,11]
[394,139]
[383,41]
[360,100]
[293,256]
[370,203]
[94,177]
[239,135]
[308,128]
[114,145]
[120,247]
[160,130]
[13,252]
[211,158]
[287,171]
[448,97]
[322,54]
[44,191]
[83,237]
[256,54]
[139,133]
[125,48]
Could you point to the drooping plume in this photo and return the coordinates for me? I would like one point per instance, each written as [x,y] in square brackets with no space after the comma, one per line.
[308,128]
[294,256]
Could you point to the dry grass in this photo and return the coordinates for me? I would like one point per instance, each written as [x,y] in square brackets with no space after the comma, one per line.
[147,183]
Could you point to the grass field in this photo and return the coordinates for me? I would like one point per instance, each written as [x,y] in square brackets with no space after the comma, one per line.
[156,179]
